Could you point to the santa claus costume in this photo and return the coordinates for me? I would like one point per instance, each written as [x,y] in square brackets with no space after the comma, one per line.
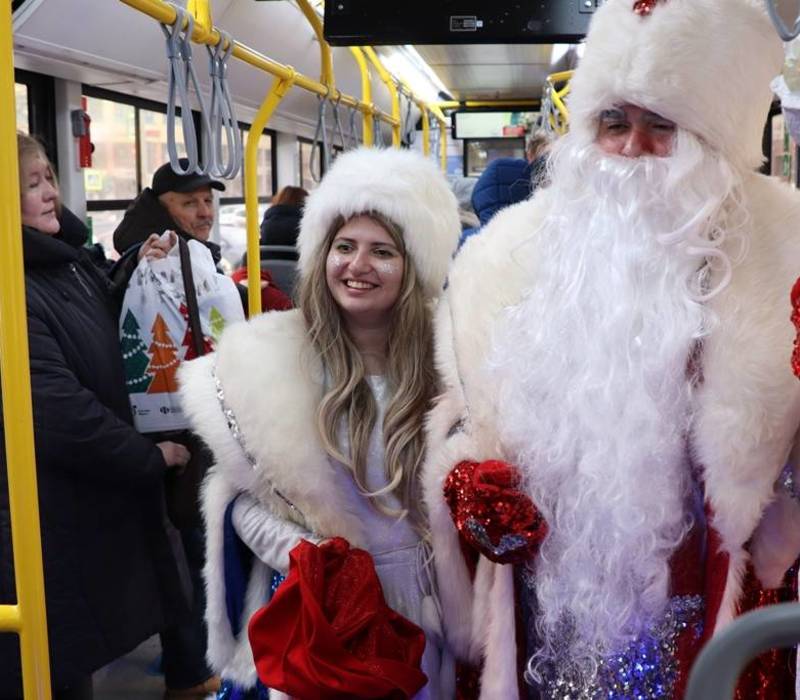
[620,399]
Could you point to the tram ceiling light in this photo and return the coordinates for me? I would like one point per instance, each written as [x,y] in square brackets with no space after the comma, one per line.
[405,63]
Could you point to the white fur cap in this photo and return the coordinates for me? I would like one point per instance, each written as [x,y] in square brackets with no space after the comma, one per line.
[405,187]
[704,64]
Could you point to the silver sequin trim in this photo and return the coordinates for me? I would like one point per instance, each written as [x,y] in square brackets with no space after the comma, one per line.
[236,432]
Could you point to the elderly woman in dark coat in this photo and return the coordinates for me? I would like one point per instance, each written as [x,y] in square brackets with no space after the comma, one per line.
[110,577]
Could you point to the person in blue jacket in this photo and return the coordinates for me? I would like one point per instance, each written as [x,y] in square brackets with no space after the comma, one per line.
[505,181]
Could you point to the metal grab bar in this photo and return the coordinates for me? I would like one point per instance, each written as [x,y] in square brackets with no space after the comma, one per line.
[723,659]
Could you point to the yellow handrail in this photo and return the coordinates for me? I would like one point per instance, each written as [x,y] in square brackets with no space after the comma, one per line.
[28,617]
[280,86]
[326,57]
[366,95]
[454,104]
[559,119]
[165,13]
[387,80]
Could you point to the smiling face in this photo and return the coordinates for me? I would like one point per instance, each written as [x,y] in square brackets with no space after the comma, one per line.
[192,211]
[630,131]
[364,271]
[38,195]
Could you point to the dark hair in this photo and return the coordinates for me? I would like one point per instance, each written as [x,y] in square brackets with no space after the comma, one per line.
[294,196]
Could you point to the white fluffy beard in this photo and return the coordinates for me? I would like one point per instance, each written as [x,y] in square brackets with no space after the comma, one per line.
[595,402]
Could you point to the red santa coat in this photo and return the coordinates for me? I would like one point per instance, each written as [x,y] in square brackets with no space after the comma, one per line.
[747,416]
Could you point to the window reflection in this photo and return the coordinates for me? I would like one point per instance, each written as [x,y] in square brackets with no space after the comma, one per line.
[113,171]
[21,95]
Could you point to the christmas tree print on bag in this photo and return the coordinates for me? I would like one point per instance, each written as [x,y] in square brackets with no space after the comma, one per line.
[155,333]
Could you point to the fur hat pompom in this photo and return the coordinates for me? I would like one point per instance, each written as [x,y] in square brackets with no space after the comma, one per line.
[403,186]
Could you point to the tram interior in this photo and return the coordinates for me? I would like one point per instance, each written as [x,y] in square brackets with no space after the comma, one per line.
[108,59]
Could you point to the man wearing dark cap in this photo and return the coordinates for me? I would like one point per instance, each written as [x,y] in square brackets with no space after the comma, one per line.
[180,203]
[183,204]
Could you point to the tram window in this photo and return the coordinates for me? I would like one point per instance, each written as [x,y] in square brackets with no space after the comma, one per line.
[784,161]
[21,95]
[232,217]
[264,183]
[113,171]
[103,225]
[479,153]
[153,142]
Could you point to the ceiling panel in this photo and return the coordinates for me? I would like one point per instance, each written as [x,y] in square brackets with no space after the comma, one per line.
[493,71]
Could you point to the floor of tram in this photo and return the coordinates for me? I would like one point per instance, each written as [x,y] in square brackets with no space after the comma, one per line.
[132,677]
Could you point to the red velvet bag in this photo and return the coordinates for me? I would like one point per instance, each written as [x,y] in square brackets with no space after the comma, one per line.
[327,633]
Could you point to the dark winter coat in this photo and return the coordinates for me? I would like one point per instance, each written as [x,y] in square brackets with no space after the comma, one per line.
[281,224]
[110,577]
[505,181]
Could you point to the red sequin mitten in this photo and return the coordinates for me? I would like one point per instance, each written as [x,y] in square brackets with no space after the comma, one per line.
[491,513]
[796,321]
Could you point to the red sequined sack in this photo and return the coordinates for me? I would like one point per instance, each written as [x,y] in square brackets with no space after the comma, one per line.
[327,633]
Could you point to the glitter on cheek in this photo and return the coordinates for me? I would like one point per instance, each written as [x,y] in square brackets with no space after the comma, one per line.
[388,268]
[336,261]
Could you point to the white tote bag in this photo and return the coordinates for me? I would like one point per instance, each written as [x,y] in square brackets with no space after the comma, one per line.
[155,335]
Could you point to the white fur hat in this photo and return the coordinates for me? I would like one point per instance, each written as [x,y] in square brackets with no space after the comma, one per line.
[704,64]
[402,185]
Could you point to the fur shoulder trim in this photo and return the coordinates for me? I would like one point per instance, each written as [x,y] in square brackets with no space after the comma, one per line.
[228,655]
[749,403]
[490,273]
[273,383]
[402,185]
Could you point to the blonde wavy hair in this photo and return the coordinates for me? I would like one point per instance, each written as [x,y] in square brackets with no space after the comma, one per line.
[410,376]
[30,147]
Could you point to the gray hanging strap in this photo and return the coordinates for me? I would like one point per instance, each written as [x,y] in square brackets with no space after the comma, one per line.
[783,31]
[222,118]
[177,91]
[320,136]
[353,135]
[337,124]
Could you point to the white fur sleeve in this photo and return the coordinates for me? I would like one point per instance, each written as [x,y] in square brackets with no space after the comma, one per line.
[269,536]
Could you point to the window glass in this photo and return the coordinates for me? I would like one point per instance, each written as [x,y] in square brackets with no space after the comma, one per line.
[480,153]
[103,224]
[153,138]
[233,231]
[235,188]
[784,163]
[113,171]
[21,94]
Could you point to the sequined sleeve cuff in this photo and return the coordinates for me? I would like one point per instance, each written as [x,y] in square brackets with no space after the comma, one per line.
[491,513]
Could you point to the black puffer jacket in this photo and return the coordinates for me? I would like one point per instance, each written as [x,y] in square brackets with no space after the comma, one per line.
[110,577]
[281,224]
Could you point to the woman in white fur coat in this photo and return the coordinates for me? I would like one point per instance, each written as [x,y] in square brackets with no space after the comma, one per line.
[315,416]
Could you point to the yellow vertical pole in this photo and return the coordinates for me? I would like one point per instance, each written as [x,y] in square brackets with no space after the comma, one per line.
[28,616]
[387,80]
[326,57]
[426,131]
[280,86]
[443,146]
[366,95]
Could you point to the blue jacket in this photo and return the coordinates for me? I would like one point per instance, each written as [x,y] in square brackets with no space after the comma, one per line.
[505,181]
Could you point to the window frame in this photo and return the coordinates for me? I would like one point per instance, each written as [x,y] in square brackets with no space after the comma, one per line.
[41,110]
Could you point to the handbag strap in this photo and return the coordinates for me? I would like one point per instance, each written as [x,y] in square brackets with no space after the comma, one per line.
[191,296]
